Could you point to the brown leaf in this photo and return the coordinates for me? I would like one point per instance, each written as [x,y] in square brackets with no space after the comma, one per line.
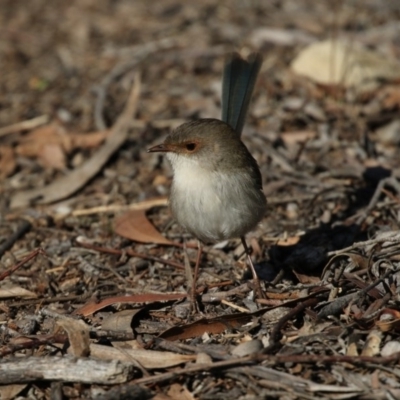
[212,326]
[391,97]
[386,324]
[289,241]
[78,336]
[52,155]
[56,133]
[88,140]
[178,392]
[161,396]
[135,226]
[50,143]
[307,279]
[7,161]
[91,308]
[359,260]
[31,145]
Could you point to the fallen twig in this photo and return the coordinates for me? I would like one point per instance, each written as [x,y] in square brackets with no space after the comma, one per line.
[392,237]
[24,125]
[11,270]
[65,369]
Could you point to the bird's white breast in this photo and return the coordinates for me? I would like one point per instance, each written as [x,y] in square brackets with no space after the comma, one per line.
[211,205]
[194,186]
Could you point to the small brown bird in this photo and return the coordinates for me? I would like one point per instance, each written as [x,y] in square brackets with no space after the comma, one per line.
[216,191]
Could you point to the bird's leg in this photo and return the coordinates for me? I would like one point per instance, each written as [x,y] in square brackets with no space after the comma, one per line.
[256,280]
[195,276]
[188,268]
[192,278]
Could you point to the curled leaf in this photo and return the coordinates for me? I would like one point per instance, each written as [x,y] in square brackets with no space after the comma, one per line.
[134,225]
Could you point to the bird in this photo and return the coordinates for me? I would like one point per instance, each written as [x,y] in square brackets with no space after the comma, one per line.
[216,192]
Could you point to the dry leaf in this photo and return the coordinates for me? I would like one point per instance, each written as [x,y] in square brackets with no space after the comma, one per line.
[392,97]
[55,133]
[388,134]
[16,291]
[52,156]
[32,144]
[290,241]
[389,320]
[89,140]
[91,308]
[372,344]
[390,348]
[339,62]
[9,392]
[135,226]
[352,349]
[246,348]
[51,143]
[203,358]
[310,328]
[120,321]
[297,136]
[161,396]
[7,161]
[359,260]
[198,328]
[127,344]
[307,279]
[148,358]
[178,392]
[78,335]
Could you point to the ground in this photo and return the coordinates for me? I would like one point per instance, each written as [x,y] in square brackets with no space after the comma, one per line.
[93,288]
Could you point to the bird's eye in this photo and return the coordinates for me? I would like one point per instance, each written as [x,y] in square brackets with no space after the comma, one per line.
[190,146]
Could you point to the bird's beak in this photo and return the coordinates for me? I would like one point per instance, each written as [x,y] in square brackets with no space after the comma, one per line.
[159,148]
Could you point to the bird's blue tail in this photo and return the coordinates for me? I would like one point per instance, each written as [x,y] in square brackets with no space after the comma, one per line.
[237,87]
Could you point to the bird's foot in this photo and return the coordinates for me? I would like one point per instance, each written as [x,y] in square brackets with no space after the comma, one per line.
[258,292]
